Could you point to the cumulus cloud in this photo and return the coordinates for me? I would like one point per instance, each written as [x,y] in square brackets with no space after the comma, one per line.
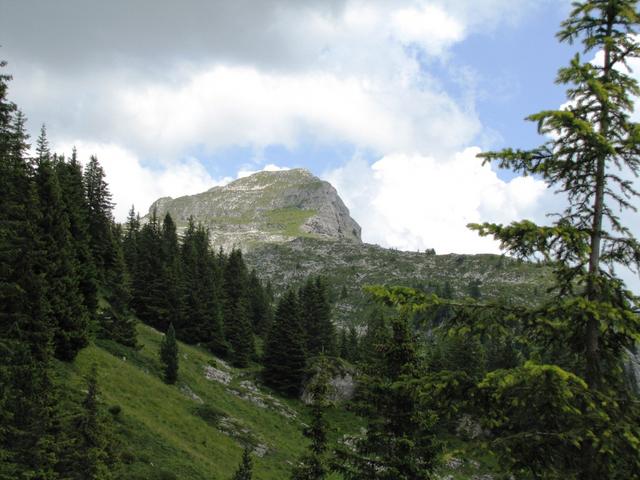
[414,202]
[157,78]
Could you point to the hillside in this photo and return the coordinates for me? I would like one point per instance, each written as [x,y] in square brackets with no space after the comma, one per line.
[196,429]
[290,224]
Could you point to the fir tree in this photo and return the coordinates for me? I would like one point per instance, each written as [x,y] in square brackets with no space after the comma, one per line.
[399,443]
[284,352]
[73,196]
[260,309]
[27,398]
[130,241]
[100,216]
[319,329]
[172,274]
[116,321]
[237,323]
[68,310]
[313,465]
[245,469]
[150,278]
[169,356]
[202,294]
[570,414]
[92,448]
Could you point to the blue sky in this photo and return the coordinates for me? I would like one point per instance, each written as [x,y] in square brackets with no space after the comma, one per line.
[389,100]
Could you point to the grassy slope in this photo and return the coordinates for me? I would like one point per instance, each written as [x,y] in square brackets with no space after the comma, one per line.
[162,436]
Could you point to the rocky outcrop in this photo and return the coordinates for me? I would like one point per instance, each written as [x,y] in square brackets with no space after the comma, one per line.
[265,207]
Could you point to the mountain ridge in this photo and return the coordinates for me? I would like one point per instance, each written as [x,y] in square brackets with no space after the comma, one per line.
[265,207]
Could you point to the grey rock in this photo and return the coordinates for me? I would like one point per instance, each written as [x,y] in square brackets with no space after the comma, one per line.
[265,207]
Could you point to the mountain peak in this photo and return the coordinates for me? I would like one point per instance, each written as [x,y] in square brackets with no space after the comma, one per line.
[267,206]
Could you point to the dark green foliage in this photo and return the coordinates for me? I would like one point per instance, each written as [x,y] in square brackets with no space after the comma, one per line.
[319,329]
[72,191]
[245,468]
[67,307]
[27,397]
[237,321]
[565,411]
[313,465]
[260,308]
[284,352]
[169,356]
[116,321]
[150,278]
[201,316]
[399,443]
[91,449]
[593,146]
[172,274]
[100,216]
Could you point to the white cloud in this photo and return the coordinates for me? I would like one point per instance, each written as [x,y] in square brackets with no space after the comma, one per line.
[430,26]
[277,73]
[415,202]
[245,172]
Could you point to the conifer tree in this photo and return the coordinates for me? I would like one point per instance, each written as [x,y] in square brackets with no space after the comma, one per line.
[245,469]
[319,329]
[172,274]
[260,308]
[284,352]
[313,465]
[92,447]
[169,356]
[571,415]
[202,295]
[130,241]
[72,191]
[116,321]
[150,278]
[27,398]
[68,310]
[100,216]
[399,443]
[237,322]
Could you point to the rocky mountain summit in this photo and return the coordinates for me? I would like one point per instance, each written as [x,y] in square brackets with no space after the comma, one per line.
[265,207]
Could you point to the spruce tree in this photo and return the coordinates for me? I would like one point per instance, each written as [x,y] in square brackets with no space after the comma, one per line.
[570,414]
[202,294]
[319,328]
[68,310]
[72,191]
[100,216]
[313,465]
[284,352]
[593,147]
[400,442]
[169,356]
[116,320]
[150,278]
[245,469]
[237,321]
[27,398]
[260,309]
[172,274]
[91,450]
[130,241]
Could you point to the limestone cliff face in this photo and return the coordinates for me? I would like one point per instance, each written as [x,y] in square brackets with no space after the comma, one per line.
[266,207]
